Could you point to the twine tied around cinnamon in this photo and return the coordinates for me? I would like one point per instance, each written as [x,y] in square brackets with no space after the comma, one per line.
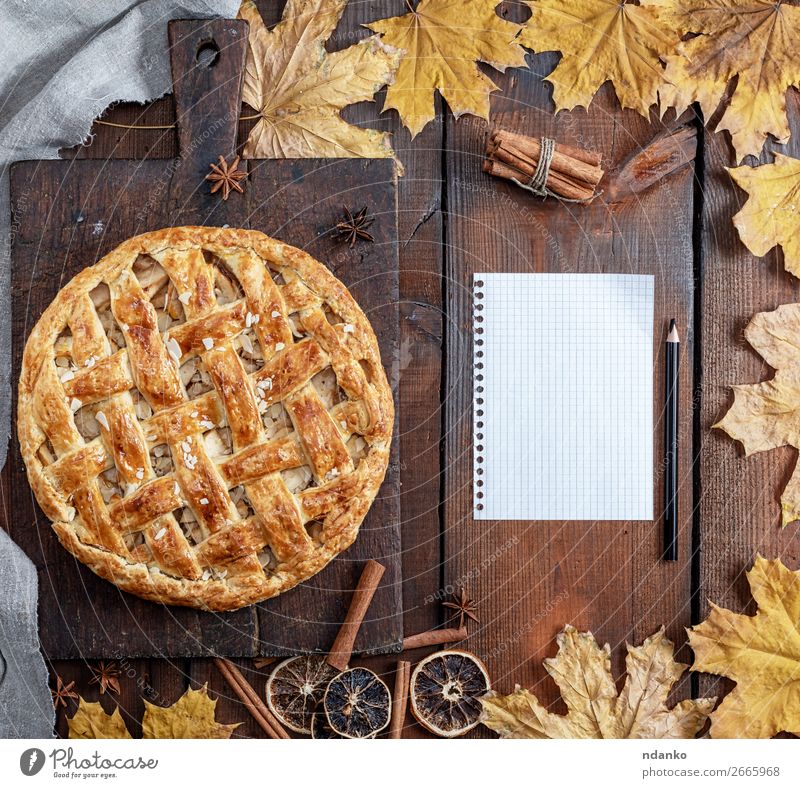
[543,166]
[538,181]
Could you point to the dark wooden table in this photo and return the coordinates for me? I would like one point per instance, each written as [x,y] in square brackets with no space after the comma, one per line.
[530,579]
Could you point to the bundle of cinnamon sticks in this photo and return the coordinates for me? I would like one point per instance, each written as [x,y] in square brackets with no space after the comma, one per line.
[573,173]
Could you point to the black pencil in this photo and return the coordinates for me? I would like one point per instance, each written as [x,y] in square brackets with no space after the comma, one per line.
[671,445]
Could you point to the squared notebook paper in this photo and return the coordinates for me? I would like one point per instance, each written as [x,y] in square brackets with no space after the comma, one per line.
[563,397]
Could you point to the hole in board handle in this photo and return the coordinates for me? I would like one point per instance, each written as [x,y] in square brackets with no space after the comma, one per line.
[207,54]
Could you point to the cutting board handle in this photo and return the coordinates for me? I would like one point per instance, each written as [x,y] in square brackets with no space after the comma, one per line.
[207,58]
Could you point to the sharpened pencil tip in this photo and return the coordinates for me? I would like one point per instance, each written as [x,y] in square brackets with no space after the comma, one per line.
[672,336]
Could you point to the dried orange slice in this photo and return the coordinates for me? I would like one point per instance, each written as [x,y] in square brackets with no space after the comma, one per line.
[319,725]
[295,687]
[446,688]
[357,704]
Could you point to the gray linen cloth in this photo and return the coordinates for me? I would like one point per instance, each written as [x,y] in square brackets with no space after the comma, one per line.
[64,62]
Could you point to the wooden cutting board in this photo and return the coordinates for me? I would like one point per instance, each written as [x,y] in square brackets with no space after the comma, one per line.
[67,215]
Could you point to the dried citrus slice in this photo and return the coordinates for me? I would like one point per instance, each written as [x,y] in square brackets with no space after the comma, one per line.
[295,687]
[357,704]
[446,688]
[319,725]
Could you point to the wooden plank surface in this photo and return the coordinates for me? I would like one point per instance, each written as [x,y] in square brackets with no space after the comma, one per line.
[532,578]
[739,509]
[81,210]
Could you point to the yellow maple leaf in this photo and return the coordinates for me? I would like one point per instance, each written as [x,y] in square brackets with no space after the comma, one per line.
[771,215]
[190,717]
[582,671]
[766,415]
[90,721]
[600,41]
[754,40]
[298,89]
[761,653]
[442,41]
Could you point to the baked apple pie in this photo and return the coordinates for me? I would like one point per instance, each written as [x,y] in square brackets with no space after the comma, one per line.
[204,416]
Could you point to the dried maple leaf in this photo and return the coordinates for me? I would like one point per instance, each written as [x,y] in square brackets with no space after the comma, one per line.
[766,415]
[771,215]
[754,40]
[298,88]
[600,41]
[91,722]
[582,671]
[191,717]
[761,653]
[442,41]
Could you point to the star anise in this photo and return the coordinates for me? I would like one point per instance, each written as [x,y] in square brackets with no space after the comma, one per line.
[106,674]
[226,177]
[63,692]
[464,607]
[351,228]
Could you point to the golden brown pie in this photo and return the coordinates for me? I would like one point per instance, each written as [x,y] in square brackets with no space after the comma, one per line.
[204,416]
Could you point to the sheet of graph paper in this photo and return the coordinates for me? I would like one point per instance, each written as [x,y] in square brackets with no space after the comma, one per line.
[563,397]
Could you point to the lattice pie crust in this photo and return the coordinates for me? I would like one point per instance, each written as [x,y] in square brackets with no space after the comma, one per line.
[204,416]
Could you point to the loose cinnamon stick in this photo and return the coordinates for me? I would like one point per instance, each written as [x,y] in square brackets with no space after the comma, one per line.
[529,149]
[434,637]
[667,153]
[342,648]
[257,708]
[565,188]
[402,682]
